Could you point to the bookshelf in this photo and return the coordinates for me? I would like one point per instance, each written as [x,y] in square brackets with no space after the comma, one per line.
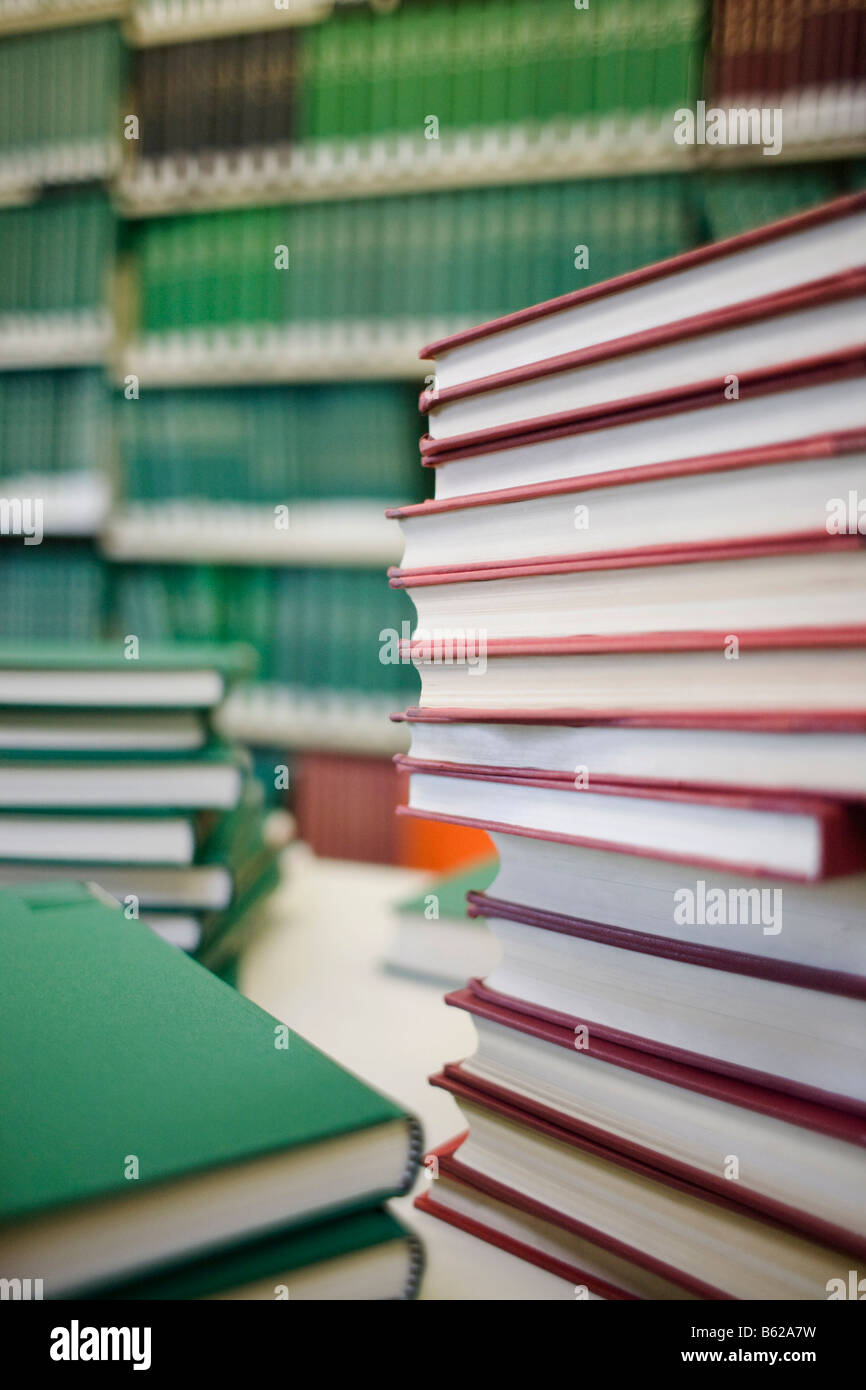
[24,16]
[513,156]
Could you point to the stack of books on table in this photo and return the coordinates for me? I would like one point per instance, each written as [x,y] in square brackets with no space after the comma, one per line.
[642,639]
[176,1141]
[110,772]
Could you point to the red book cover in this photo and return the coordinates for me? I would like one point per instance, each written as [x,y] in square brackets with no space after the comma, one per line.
[753,1076]
[571,1273]
[819,446]
[673,948]
[831,289]
[452,1166]
[702,553]
[813,371]
[783,721]
[842,827]
[701,255]
[758,1099]
[614,780]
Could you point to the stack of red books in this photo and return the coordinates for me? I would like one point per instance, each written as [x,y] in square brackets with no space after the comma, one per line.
[642,640]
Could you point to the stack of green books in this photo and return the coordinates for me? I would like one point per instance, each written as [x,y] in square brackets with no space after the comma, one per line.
[178,1142]
[110,772]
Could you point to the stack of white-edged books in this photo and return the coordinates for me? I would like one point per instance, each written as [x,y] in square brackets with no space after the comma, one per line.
[642,641]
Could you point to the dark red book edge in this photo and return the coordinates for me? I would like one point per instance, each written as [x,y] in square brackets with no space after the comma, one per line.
[572,1274]
[828,289]
[818,446]
[619,782]
[638,557]
[750,1075]
[843,842]
[763,1100]
[452,1167]
[782,972]
[701,255]
[770,721]
[797,373]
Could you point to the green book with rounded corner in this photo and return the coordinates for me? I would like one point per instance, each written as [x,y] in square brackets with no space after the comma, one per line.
[151,1113]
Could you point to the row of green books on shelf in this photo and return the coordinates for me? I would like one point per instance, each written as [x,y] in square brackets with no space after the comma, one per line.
[461,252]
[244,444]
[315,628]
[737,202]
[270,444]
[444,254]
[59,88]
[414,257]
[495,61]
[54,421]
[52,591]
[56,254]
[180,1143]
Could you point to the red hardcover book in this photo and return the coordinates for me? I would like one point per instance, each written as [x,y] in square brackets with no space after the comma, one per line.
[642,369]
[789,721]
[765,384]
[798,678]
[749,1118]
[702,256]
[833,833]
[542,1244]
[710,1245]
[822,446]
[789,762]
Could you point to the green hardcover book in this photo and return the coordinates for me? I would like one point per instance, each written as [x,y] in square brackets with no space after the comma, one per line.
[69,778]
[62,893]
[434,939]
[368,1256]
[155,836]
[174,1118]
[226,934]
[98,675]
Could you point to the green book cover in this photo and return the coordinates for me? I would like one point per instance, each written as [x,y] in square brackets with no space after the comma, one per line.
[285,1254]
[450,892]
[41,896]
[169,1116]
[226,934]
[234,660]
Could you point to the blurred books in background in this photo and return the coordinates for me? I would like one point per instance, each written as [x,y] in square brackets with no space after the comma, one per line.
[191,1146]
[110,771]
[225,228]
[654,705]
